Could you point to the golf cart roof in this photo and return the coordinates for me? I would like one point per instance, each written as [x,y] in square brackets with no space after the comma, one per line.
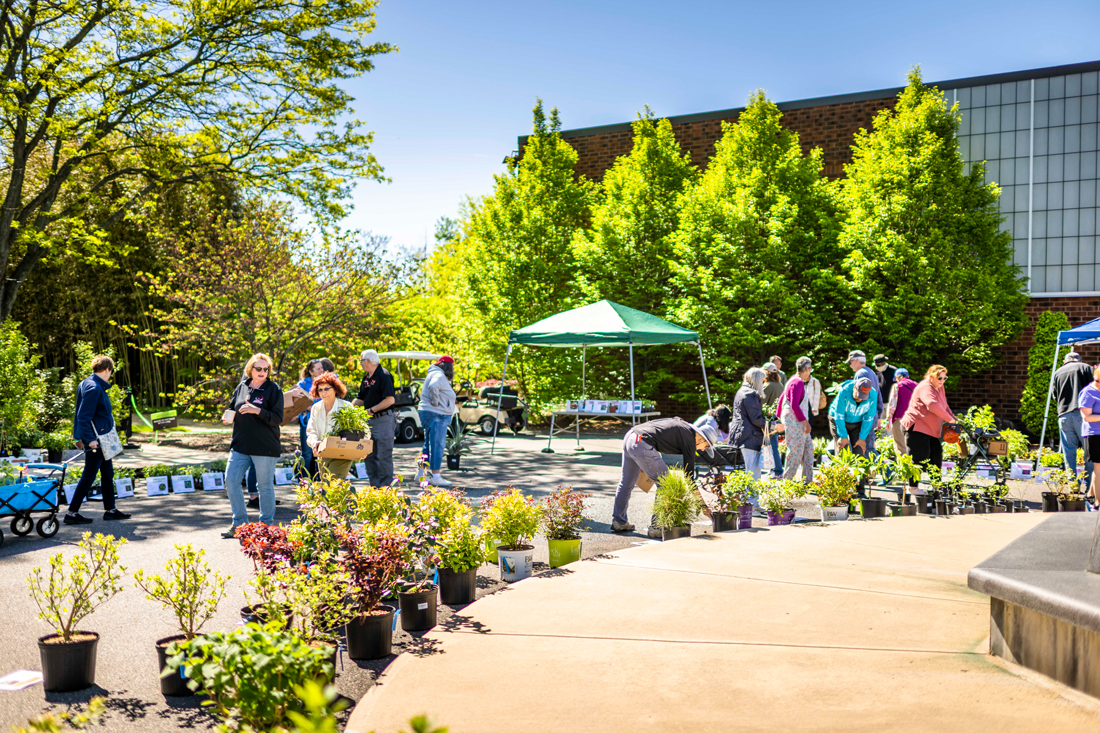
[414,355]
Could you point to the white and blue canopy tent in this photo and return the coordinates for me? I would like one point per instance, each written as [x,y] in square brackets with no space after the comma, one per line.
[1086,333]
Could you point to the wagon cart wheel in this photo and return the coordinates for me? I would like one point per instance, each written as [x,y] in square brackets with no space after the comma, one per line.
[21,525]
[48,526]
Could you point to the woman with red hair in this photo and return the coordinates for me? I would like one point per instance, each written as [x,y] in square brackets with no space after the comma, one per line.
[330,393]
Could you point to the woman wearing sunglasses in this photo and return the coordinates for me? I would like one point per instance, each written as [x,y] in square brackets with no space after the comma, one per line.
[924,418]
[255,411]
[329,392]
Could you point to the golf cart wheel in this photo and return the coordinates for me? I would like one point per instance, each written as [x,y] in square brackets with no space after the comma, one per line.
[22,525]
[406,432]
[519,425]
[487,424]
[47,526]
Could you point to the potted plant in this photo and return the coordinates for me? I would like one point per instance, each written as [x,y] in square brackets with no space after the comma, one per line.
[513,520]
[457,444]
[55,444]
[192,592]
[65,597]
[373,562]
[491,543]
[835,488]
[316,598]
[417,593]
[907,472]
[733,494]
[445,507]
[563,521]
[775,498]
[676,504]
[252,674]
[351,423]
[461,550]
[1066,489]
[269,548]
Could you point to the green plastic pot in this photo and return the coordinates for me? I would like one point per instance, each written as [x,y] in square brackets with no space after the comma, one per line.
[563,552]
[491,546]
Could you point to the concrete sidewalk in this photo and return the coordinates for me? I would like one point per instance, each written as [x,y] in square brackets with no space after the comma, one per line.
[862,625]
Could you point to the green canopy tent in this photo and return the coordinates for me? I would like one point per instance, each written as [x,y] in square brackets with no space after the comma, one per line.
[603,324]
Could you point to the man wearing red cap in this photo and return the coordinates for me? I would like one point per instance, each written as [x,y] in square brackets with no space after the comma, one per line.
[437,405]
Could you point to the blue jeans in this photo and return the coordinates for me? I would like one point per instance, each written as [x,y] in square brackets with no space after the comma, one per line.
[235,472]
[435,435]
[778,470]
[1069,430]
[752,462]
[307,468]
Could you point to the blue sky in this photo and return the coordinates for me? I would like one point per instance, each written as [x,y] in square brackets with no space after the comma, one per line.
[448,107]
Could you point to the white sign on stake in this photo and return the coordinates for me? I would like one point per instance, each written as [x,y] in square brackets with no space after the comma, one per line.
[284,475]
[124,488]
[183,484]
[361,470]
[213,481]
[156,486]
[70,489]
[1020,469]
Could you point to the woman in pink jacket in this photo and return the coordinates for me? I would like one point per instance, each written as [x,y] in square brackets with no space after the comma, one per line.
[924,418]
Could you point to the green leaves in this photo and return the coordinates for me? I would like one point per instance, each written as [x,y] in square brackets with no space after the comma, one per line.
[67,595]
[510,517]
[191,591]
[1040,360]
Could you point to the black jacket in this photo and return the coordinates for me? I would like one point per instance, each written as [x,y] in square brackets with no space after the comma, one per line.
[671,435]
[257,435]
[1069,380]
[747,423]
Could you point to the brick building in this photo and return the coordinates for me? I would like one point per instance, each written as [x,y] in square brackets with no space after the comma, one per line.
[1037,132]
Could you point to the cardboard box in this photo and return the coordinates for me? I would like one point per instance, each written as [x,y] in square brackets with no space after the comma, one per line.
[294,406]
[998,448]
[645,483]
[345,450]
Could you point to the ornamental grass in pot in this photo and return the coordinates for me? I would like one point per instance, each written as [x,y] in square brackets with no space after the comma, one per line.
[461,551]
[66,595]
[835,487]
[192,593]
[373,560]
[563,522]
[512,519]
[676,504]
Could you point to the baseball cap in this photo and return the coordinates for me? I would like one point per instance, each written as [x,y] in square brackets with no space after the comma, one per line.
[1072,356]
[880,358]
[370,355]
[863,386]
[711,435]
[444,360]
[769,367]
[857,354]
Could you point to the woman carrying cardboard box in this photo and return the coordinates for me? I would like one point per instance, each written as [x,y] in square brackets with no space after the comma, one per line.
[330,392]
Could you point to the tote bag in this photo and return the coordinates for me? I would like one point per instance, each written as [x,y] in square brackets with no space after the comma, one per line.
[108,442]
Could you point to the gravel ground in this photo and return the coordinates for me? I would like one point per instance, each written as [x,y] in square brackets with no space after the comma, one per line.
[129,624]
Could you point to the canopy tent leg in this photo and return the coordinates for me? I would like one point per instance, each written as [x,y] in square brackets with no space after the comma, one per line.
[706,384]
[1046,412]
[633,419]
[500,398]
[584,396]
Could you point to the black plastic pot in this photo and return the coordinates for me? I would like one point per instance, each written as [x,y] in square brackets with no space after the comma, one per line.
[259,614]
[371,637]
[675,533]
[902,510]
[1071,505]
[925,505]
[452,462]
[944,508]
[724,521]
[418,609]
[352,434]
[998,509]
[174,685]
[872,507]
[980,507]
[457,589]
[1050,501]
[68,666]
[1010,506]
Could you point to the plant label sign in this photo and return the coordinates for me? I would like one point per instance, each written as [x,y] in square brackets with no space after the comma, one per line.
[948,468]
[361,470]
[573,406]
[69,490]
[156,486]
[183,484]
[284,476]
[214,481]
[124,488]
[1043,471]
[984,470]
[1020,470]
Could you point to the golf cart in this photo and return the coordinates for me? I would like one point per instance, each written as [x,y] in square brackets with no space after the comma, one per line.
[407,397]
[484,412]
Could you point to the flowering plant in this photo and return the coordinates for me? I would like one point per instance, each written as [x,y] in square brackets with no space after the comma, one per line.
[266,545]
[563,514]
[421,558]
[737,489]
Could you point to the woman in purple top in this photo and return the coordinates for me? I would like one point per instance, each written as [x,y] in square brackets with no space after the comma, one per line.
[900,395]
[794,410]
[1089,404]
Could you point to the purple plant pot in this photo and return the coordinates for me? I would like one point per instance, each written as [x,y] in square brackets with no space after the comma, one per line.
[744,519]
[774,519]
[788,516]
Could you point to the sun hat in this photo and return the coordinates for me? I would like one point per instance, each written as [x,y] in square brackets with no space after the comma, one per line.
[711,436]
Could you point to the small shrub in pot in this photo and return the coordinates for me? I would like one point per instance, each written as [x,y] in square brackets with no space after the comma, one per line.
[351,422]
[373,559]
[65,596]
[192,592]
[512,519]
[563,521]
[835,487]
[461,551]
[417,593]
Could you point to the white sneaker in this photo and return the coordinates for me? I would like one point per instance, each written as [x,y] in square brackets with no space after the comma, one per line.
[439,481]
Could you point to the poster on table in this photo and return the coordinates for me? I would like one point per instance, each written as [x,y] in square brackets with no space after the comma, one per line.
[183,484]
[1020,470]
[284,475]
[590,405]
[124,488]
[156,486]
[573,406]
[214,481]
[602,406]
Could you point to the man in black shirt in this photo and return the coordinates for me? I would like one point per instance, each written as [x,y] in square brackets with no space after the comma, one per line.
[376,392]
[887,375]
[1072,377]
[642,449]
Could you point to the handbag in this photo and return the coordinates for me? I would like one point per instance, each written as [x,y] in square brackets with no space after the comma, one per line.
[108,442]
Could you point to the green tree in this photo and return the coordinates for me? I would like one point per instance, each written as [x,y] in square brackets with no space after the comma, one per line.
[1040,358]
[756,252]
[22,385]
[930,268]
[516,254]
[107,102]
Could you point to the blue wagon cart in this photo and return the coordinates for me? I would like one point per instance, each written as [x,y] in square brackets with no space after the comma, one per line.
[35,491]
